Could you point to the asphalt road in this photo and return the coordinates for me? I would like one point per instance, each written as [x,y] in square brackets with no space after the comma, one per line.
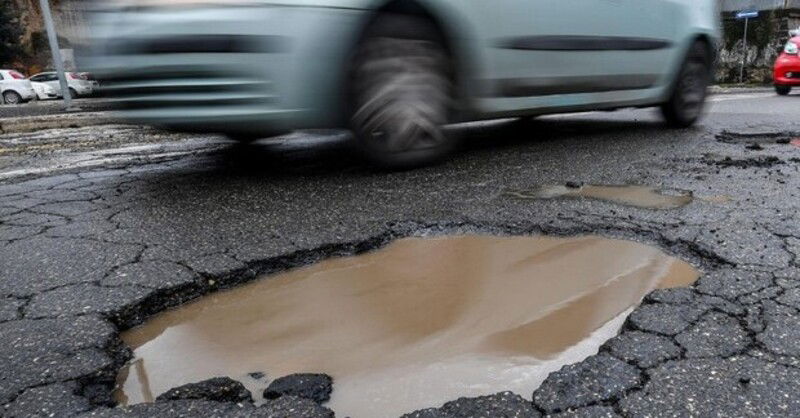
[123,222]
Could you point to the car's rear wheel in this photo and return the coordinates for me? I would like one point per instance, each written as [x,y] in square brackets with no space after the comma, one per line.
[12,97]
[402,93]
[686,103]
[783,90]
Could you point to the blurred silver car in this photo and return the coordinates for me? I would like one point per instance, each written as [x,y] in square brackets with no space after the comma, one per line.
[397,71]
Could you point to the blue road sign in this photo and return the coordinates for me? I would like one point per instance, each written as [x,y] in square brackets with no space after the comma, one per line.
[747,14]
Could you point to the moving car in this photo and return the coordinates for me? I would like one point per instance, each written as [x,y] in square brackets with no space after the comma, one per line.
[44,91]
[787,67]
[14,88]
[77,83]
[397,71]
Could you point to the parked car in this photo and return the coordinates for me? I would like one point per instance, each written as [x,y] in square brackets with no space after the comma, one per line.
[44,91]
[787,67]
[14,88]
[397,71]
[77,83]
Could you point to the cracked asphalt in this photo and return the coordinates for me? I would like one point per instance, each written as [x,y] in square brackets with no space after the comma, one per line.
[90,249]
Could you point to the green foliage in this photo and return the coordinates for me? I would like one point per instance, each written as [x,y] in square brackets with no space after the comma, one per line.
[10,32]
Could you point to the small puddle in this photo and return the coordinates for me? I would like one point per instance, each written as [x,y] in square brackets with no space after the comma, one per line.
[638,196]
[413,325]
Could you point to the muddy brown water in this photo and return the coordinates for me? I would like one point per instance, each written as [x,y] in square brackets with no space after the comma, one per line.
[413,325]
[631,195]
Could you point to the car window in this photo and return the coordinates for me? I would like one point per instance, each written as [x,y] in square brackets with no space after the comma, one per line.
[52,77]
[1,76]
[36,78]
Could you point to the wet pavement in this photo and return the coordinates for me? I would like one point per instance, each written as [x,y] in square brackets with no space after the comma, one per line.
[88,252]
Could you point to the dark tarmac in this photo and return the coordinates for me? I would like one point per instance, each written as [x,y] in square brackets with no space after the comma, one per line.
[90,249]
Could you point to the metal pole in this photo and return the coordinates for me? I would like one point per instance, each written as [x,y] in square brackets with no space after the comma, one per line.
[59,63]
[744,52]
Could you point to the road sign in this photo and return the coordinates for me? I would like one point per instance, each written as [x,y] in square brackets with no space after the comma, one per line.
[747,14]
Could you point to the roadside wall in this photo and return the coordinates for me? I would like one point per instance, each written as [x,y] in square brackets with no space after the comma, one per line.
[766,36]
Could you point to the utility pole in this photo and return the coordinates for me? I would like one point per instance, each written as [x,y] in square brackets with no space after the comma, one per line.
[745,15]
[744,52]
[56,52]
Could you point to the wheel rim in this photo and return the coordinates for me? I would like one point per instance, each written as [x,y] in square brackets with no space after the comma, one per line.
[405,104]
[11,98]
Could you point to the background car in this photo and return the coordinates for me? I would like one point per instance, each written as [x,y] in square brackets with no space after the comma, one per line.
[396,71]
[14,88]
[44,91]
[78,84]
[787,67]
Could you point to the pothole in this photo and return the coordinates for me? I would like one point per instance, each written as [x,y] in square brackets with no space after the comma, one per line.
[413,325]
[630,195]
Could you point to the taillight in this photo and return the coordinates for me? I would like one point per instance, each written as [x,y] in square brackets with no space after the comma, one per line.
[73,76]
[16,75]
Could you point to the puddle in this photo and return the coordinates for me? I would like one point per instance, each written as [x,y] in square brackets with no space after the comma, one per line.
[418,323]
[638,196]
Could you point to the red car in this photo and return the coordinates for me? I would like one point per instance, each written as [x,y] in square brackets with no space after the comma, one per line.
[787,67]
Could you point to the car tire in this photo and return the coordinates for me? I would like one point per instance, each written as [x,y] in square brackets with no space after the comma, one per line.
[687,100]
[12,97]
[401,93]
[73,94]
[783,90]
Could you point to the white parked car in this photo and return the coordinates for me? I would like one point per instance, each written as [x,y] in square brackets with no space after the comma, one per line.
[14,88]
[44,91]
[77,83]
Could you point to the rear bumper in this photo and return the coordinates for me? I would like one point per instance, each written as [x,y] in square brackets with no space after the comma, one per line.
[243,70]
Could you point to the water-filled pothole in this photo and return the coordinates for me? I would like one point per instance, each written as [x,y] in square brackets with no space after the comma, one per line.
[630,195]
[418,323]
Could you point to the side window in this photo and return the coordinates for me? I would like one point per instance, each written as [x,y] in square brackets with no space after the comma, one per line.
[1,76]
[36,78]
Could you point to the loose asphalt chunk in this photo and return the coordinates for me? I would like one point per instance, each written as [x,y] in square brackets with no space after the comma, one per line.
[219,389]
[595,379]
[314,386]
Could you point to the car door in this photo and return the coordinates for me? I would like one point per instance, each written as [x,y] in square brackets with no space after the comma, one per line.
[544,53]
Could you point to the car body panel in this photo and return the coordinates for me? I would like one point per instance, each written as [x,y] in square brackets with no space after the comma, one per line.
[787,67]
[618,53]
[44,91]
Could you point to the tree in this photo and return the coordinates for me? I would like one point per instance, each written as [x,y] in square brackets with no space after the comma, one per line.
[10,31]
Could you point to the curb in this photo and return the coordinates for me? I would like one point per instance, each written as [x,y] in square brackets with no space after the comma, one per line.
[37,123]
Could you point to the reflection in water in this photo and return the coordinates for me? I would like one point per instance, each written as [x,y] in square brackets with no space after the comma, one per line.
[639,196]
[413,325]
